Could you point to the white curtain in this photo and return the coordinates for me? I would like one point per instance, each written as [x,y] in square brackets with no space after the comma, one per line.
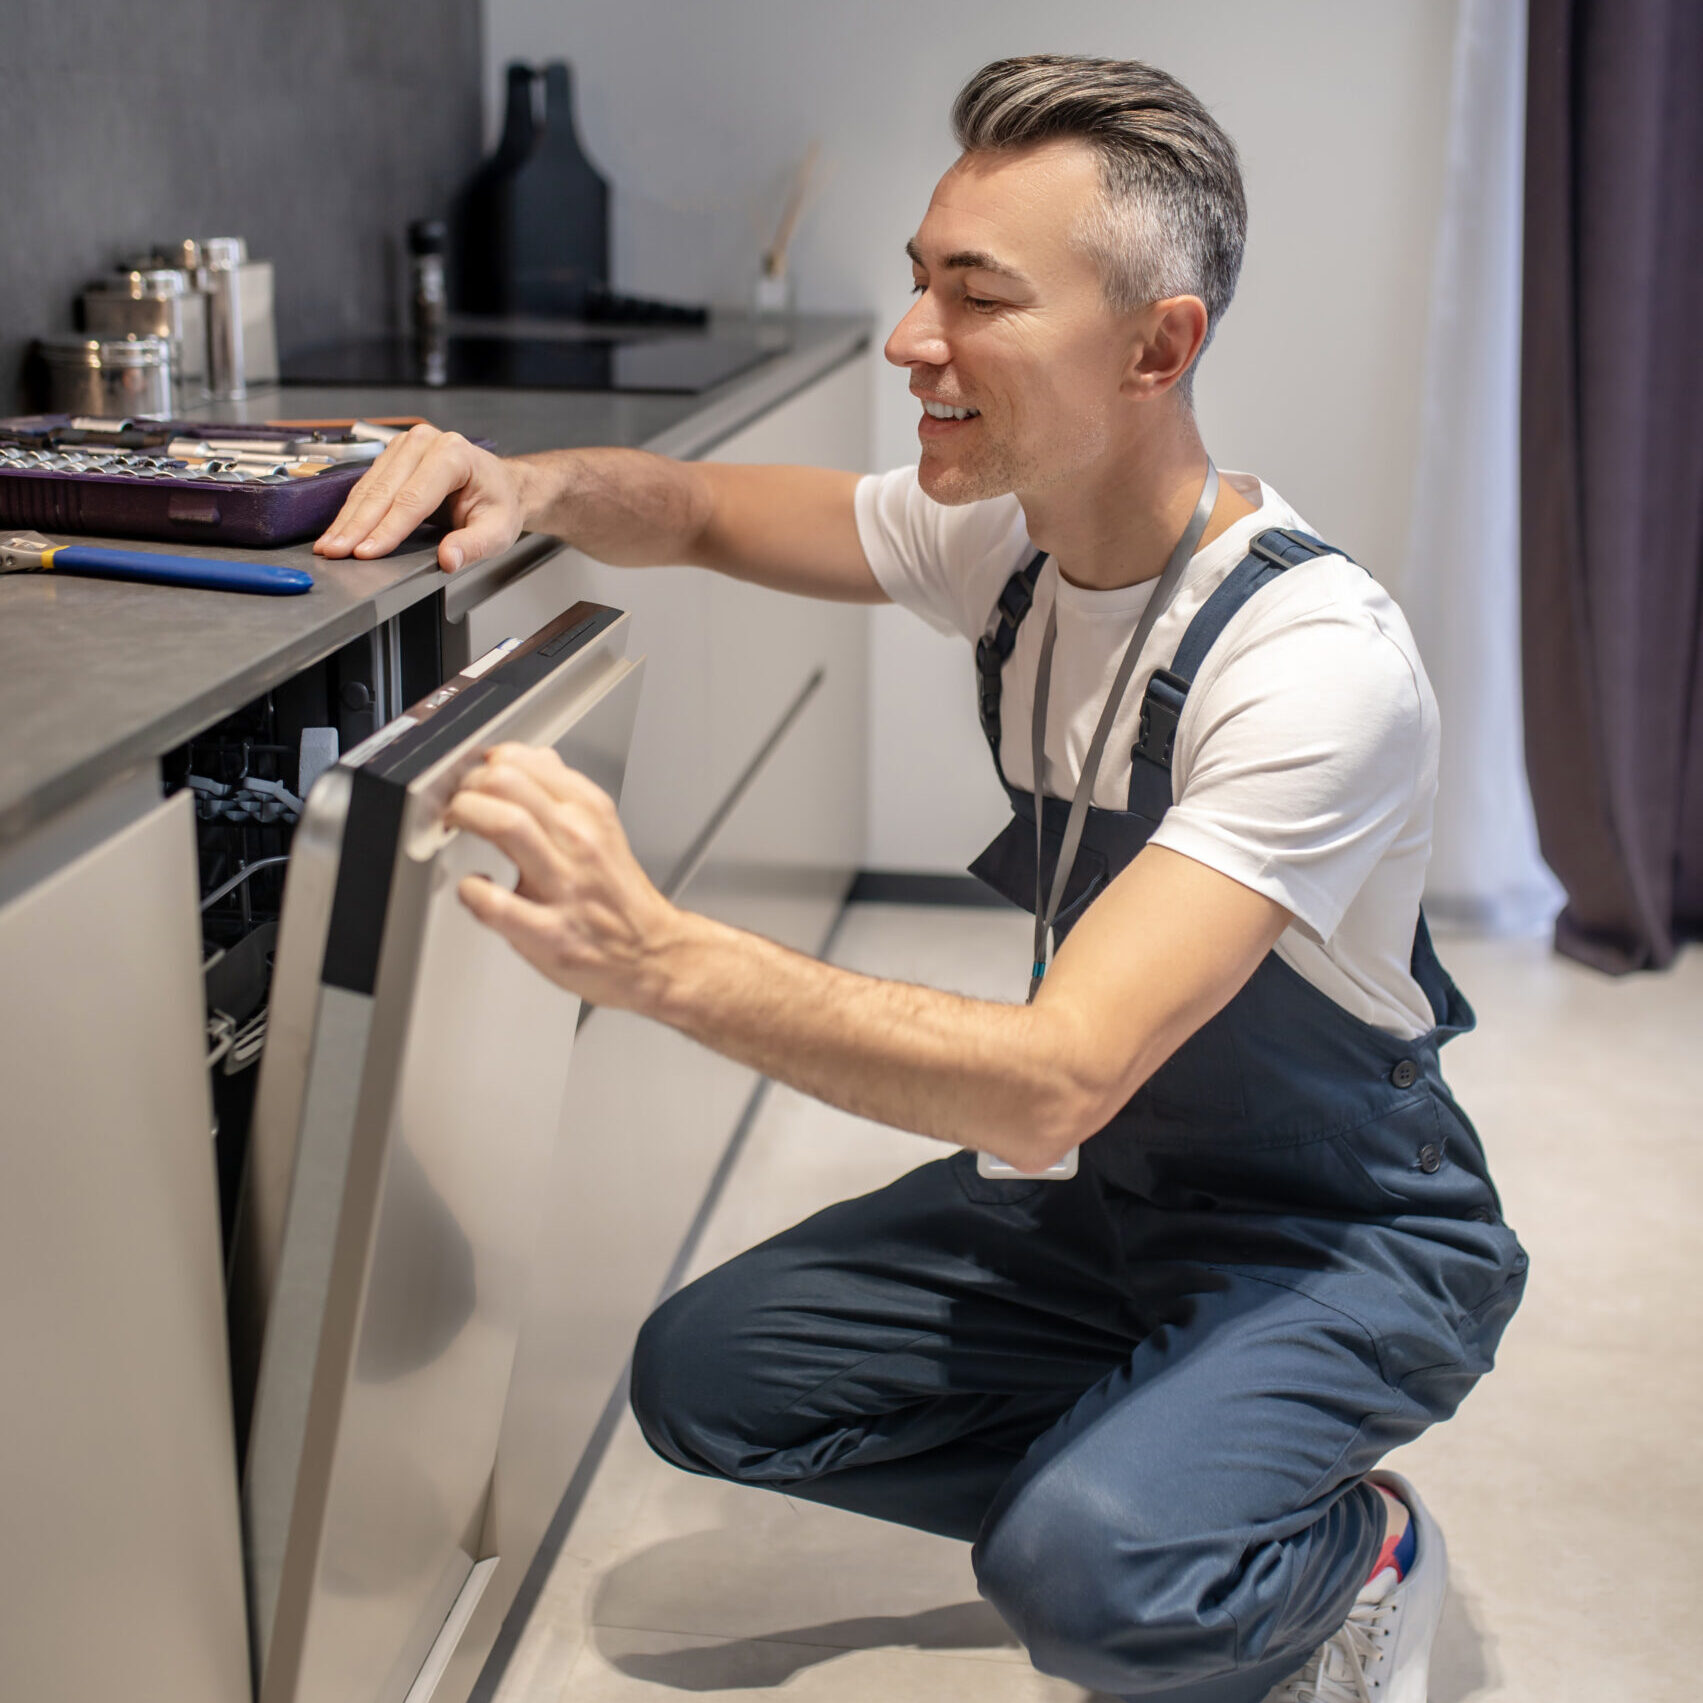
[1461,585]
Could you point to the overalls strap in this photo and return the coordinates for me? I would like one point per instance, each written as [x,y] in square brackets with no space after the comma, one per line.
[1270,553]
[994,646]
[1161,708]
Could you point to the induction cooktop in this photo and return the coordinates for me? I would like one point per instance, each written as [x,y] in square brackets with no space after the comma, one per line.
[684,363]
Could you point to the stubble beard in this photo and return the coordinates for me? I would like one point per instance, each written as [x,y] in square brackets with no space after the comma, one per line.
[954,480]
[997,467]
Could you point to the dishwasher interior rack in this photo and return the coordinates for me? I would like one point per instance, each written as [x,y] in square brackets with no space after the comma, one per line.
[250,774]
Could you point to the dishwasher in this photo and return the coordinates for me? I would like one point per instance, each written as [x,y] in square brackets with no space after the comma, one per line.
[388,1083]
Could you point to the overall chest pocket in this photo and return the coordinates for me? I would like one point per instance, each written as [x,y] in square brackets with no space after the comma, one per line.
[1200,1083]
[1008,867]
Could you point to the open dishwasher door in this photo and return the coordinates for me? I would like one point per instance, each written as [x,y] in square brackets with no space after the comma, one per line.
[405,1119]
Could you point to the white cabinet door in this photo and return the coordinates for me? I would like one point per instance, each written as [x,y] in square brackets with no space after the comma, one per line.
[797,637]
[728,660]
[121,1570]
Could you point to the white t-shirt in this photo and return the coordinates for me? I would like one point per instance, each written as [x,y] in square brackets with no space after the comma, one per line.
[1305,763]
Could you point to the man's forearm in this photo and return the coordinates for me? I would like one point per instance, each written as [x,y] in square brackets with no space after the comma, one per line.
[792,528]
[1167,946]
[995,1077]
[623,506]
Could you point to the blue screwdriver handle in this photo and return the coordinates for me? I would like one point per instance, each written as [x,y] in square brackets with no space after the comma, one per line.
[206,572]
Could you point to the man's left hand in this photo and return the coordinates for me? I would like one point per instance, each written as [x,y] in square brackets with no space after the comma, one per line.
[584,913]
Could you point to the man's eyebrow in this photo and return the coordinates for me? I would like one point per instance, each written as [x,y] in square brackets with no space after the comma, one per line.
[968,260]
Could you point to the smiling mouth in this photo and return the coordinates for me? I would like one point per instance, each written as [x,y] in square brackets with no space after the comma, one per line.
[944,411]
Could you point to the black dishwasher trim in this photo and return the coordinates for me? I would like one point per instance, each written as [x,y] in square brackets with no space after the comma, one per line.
[356,932]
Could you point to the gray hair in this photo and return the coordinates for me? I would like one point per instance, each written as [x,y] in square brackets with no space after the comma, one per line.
[1172,218]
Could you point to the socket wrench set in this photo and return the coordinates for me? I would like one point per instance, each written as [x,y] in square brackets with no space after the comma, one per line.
[184,481]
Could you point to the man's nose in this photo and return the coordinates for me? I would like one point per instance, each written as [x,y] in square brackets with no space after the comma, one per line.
[917,339]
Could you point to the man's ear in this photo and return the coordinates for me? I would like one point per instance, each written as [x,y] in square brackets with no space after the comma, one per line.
[1169,337]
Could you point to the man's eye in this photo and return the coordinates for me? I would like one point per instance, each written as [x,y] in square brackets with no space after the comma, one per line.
[917,287]
[982,304]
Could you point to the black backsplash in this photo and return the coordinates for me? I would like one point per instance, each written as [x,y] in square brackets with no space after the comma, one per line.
[317,129]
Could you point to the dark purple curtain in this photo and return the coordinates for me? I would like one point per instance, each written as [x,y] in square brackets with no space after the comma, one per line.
[1612,470]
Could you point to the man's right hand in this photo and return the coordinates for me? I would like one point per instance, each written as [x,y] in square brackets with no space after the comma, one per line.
[414,477]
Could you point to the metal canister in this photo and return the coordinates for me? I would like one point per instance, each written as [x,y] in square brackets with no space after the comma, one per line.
[109,377]
[259,326]
[218,270]
[221,279]
[155,302]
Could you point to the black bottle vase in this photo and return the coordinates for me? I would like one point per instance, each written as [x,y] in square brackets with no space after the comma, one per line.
[535,218]
[479,267]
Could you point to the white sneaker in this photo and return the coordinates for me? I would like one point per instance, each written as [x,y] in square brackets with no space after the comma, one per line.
[1383,1652]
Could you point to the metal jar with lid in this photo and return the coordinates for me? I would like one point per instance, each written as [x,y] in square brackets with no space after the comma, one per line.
[221,278]
[242,340]
[108,377]
[239,340]
[155,301]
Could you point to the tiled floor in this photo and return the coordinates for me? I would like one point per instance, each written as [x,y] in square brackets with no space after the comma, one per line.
[1569,1485]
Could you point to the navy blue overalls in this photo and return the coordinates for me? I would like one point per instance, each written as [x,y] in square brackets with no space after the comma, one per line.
[1149,1395]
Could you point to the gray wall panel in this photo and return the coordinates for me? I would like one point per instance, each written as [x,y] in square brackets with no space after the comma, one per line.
[315,128]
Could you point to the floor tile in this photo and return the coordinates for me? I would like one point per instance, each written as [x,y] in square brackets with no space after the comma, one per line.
[622,1666]
[557,1627]
[710,1558]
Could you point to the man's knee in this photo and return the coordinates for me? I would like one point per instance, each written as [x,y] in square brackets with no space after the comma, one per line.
[674,1383]
[1107,1595]
[707,1388]
[1098,1600]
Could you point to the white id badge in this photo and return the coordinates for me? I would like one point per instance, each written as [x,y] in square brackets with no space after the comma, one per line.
[988,1166]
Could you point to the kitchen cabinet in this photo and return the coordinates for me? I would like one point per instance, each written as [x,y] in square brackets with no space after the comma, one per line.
[739,656]
[127,1572]
[128,1581]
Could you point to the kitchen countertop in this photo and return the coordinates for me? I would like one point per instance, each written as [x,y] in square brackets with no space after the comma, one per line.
[97,676]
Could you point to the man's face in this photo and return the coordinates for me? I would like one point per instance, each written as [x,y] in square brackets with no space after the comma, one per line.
[1011,322]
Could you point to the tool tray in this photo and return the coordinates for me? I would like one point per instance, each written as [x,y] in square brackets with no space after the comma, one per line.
[210,509]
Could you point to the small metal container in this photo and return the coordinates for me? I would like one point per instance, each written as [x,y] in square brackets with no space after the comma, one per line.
[108,377]
[234,295]
[221,278]
[259,325]
[155,302]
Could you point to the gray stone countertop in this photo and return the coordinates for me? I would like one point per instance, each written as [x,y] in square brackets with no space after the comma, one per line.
[99,675]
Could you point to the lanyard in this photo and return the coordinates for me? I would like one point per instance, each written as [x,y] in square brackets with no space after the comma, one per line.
[1163,592]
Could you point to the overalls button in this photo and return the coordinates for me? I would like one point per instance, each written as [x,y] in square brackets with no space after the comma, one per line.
[1430,1157]
[1405,1074]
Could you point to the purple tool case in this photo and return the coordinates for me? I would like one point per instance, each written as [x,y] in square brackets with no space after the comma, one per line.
[182,511]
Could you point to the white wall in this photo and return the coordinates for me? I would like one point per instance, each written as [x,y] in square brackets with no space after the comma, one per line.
[697,111]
